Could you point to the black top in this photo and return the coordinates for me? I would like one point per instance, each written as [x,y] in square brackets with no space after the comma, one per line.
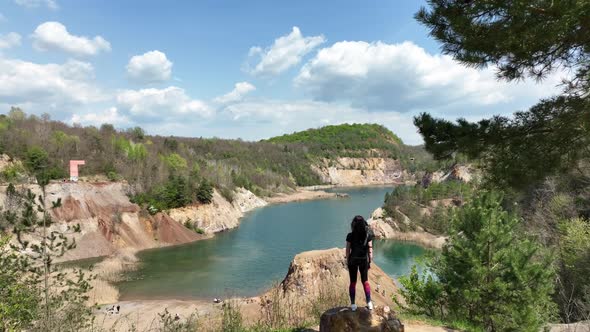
[358,249]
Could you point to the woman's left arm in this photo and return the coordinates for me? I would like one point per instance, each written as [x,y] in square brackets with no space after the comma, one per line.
[371,251]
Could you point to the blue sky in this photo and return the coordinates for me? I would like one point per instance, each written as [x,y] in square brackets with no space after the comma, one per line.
[248,69]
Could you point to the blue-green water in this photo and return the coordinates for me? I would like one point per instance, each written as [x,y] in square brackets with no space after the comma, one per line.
[249,259]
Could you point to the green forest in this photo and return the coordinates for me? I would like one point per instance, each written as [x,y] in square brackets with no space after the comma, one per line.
[168,171]
[518,249]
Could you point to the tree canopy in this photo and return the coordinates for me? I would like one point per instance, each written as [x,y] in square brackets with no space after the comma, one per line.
[521,39]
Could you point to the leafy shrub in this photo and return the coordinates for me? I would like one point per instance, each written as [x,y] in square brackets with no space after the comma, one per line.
[12,173]
[19,300]
[175,162]
[227,193]
[423,294]
[113,176]
[574,249]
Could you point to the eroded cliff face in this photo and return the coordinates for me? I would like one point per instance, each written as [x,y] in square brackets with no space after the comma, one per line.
[387,228]
[464,173]
[220,214]
[360,171]
[108,220]
[313,272]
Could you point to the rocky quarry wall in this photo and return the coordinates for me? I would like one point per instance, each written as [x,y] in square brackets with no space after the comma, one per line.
[220,215]
[360,171]
[109,222]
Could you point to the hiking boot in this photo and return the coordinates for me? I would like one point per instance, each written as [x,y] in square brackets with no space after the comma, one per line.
[353,307]
[370,305]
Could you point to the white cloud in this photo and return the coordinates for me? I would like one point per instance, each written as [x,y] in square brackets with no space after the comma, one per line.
[47,87]
[9,40]
[110,115]
[404,77]
[151,67]
[161,104]
[286,52]
[51,4]
[54,36]
[266,118]
[237,94]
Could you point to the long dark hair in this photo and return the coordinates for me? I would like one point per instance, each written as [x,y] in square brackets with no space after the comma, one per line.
[359,229]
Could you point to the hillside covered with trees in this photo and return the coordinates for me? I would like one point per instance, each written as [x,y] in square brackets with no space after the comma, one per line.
[169,170]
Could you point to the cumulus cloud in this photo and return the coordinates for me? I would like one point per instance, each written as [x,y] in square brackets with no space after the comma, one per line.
[258,119]
[286,52]
[404,77]
[54,36]
[110,115]
[150,67]
[51,4]
[47,87]
[147,105]
[240,90]
[9,40]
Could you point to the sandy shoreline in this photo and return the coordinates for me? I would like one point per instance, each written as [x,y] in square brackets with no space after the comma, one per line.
[299,195]
[333,186]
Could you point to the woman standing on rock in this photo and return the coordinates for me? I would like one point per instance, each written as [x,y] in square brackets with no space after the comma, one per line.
[359,254]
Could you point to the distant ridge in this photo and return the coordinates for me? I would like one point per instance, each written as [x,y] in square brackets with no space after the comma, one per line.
[346,139]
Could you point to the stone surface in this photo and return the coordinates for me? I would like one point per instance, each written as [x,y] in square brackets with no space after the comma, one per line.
[108,220]
[347,171]
[464,173]
[219,215]
[316,271]
[342,319]
[387,228]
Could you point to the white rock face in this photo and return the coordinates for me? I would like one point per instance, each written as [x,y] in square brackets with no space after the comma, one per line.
[360,171]
[219,215]
[464,173]
[387,228]
[108,220]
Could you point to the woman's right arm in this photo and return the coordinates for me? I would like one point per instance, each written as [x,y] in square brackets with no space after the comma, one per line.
[347,250]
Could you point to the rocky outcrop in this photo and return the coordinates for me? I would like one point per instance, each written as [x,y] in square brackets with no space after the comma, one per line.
[346,171]
[343,319]
[464,173]
[325,271]
[220,214]
[583,326]
[108,220]
[385,227]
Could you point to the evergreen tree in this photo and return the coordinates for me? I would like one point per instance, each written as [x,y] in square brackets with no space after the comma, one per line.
[489,273]
[493,275]
[19,298]
[520,38]
[205,192]
[60,295]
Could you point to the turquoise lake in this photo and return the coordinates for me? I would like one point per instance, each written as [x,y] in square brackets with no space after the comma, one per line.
[249,259]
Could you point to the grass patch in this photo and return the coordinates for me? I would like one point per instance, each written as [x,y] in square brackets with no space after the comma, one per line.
[452,324]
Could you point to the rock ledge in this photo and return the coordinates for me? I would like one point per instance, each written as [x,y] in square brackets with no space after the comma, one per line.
[342,319]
